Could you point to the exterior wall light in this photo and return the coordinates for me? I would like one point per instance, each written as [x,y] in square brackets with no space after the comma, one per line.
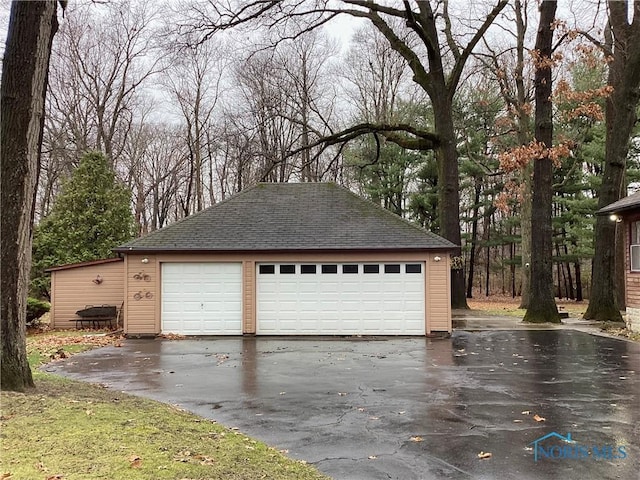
[145,260]
[615,218]
[437,258]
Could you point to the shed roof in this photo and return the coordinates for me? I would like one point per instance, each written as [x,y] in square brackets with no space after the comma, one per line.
[290,217]
[632,202]
[89,263]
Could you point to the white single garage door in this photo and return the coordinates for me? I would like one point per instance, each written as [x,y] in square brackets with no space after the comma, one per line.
[341,299]
[202,298]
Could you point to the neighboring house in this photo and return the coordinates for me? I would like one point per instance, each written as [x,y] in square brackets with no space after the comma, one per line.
[627,211]
[74,286]
[288,259]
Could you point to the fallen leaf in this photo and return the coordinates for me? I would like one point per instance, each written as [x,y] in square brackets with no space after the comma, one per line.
[282,393]
[135,461]
[204,460]
[342,394]
[40,466]
[517,421]
[55,477]
[484,455]
[89,412]
[372,457]
[417,439]
[526,412]
[538,418]
[5,475]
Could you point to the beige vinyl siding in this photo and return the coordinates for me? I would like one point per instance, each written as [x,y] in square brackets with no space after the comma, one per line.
[143,292]
[438,294]
[249,297]
[74,288]
[143,317]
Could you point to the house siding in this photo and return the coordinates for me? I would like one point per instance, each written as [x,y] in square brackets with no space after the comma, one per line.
[143,316]
[72,289]
[438,293]
[632,281]
[142,295]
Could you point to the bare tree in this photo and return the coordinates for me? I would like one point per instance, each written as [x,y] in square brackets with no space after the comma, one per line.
[102,57]
[437,67]
[193,78]
[25,67]
[509,68]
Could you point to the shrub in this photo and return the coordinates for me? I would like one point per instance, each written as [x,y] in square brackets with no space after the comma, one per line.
[36,308]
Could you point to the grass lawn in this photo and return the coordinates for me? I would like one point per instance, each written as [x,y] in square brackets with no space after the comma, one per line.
[65,430]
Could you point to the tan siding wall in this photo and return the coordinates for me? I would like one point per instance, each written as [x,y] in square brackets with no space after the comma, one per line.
[438,293]
[143,316]
[142,295]
[73,289]
[249,297]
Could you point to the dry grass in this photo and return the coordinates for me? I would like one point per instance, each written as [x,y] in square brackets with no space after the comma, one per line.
[506,305]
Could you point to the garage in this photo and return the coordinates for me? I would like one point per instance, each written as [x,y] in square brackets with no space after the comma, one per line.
[288,259]
[202,298]
[341,298]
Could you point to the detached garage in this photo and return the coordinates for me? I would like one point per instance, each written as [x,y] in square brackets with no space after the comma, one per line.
[288,259]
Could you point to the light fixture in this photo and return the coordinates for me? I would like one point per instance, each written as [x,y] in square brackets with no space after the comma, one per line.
[615,218]
[437,258]
[145,260]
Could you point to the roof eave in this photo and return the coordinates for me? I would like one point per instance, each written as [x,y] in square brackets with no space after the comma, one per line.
[149,251]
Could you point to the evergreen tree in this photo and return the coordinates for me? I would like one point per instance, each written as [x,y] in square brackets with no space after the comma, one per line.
[90,217]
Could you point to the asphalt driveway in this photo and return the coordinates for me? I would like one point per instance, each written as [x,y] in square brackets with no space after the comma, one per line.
[405,408]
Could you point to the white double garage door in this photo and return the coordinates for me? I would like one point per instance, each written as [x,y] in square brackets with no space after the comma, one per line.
[296,298]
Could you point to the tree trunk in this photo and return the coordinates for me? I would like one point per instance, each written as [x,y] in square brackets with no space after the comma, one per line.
[524,137]
[449,194]
[620,116]
[579,297]
[474,238]
[24,81]
[542,306]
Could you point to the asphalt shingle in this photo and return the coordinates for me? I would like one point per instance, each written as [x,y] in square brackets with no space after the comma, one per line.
[631,202]
[290,216]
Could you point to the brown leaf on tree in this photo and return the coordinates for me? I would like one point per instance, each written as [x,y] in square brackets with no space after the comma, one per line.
[538,418]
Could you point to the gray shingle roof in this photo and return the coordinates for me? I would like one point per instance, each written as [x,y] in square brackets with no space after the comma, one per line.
[290,216]
[631,202]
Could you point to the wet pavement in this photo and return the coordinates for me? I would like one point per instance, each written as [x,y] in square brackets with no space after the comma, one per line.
[404,408]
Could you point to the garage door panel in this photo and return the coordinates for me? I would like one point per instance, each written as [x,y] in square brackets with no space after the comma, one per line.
[202,298]
[338,303]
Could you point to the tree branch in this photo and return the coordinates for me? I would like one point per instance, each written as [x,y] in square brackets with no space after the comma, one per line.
[456,73]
